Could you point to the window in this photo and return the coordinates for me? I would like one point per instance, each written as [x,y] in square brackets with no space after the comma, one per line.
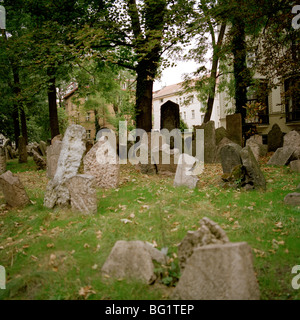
[259,93]
[193,114]
[161,100]
[88,116]
[88,134]
[184,115]
[202,118]
[292,99]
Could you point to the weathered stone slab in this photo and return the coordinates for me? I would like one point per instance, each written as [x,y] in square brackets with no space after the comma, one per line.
[83,197]
[102,162]
[252,168]
[73,148]
[275,138]
[133,259]
[295,166]
[184,173]
[230,157]
[13,190]
[169,115]
[208,233]
[292,199]
[219,272]
[53,152]
[281,156]
[39,161]
[234,128]
[221,133]
[254,148]
[43,148]
[2,160]
[22,150]
[292,139]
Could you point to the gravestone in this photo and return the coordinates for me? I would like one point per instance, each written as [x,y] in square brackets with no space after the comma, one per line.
[281,156]
[234,128]
[39,161]
[169,116]
[72,150]
[171,156]
[2,160]
[13,190]
[221,133]
[275,138]
[208,233]
[230,157]
[184,173]
[83,197]
[210,148]
[292,139]
[219,272]
[292,199]
[53,152]
[134,260]
[295,166]
[252,167]
[43,148]
[102,162]
[22,150]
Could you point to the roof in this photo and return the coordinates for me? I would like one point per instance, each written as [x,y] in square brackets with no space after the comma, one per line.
[168,90]
[70,93]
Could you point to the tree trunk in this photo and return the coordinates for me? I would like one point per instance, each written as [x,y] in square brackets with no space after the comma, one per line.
[241,72]
[144,91]
[97,125]
[17,133]
[213,74]
[54,125]
[24,125]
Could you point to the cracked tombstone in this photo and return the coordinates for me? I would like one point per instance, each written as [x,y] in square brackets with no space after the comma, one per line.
[72,150]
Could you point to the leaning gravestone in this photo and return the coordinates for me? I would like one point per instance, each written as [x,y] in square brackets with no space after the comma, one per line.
[83,197]
[234,128]
[281,156]
[230,156]
[221,133]
[22,150]
[72,150]
[252,167]
[169,115]
[39,161]
[13,190]
[219,272]
[291,139]
[184,173]
[292,199]
[102,162]
[275,138]
[133,259]
[53,152]
[2,160]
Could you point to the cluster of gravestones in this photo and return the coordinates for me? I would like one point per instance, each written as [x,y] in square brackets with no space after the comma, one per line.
[211,267]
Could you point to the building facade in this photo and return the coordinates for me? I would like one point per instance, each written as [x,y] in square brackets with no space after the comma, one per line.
[191,109]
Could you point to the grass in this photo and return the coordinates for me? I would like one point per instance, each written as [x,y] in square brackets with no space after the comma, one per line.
[57,254]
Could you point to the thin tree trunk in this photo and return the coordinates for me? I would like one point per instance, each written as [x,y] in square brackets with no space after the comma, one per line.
[17,133]
[24,125]
[213,74]
[54,125]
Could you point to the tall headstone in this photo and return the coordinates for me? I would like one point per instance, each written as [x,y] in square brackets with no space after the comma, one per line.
[275,138]
[234,128]
[230,156]
[2,160]
[22,150]
[169,116]
[72,150]
[13,190]
[210,148]
[221,133]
